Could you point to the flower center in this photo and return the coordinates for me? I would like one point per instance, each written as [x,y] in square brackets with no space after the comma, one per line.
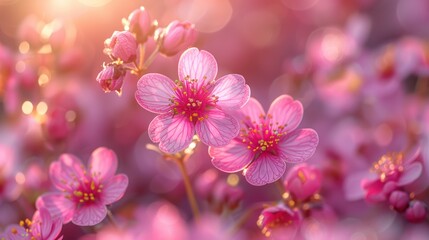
[262,136]
[87,192]
[389,165]
[193,100]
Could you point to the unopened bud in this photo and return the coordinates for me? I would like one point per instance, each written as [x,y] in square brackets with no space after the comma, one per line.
[177,37]
[140,23]
[121,46]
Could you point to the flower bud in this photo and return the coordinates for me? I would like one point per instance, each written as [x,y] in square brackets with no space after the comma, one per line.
[279,217]
[416,212]
[399,200]
[303,181]
[177,37]
[111,78]
[121,46]
[140,23]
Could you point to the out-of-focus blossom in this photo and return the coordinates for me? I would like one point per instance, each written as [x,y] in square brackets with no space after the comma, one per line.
[84,192]
[196,103]
[41,227]
[399,200]
[416,212]
[111,78]
[176,37]
[267,141]
[141,24]
[122,45]
[303,181]
[279,221]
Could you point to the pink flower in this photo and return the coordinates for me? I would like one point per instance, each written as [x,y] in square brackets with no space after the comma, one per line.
[122,46]
[267,141]
[196,103]
[111,78]
[303,181]
[416,212]
[140,23]
[84,193]
[399,200]
[176,37]
[279,221]
[41,227]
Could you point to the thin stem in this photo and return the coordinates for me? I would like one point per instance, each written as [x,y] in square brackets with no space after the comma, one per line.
[191,196]
[280,187]
[150,59]
[112,219]
[142,51]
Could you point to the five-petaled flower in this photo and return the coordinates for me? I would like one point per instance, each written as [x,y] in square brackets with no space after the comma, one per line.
[84,193]
[195,103]
[267,141]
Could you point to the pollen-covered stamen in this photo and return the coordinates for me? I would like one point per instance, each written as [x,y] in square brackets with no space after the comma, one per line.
[262,135]
[88,192]
[192,100]
[389,165]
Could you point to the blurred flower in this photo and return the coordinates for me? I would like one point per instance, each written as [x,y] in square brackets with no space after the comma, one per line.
[111,77]
[194,103]
[140,23]
[416,212]
[303,181]
[84,193]
[121,46]
[279,221]
[399,200]
[41,227]
[176,37]
[267,141]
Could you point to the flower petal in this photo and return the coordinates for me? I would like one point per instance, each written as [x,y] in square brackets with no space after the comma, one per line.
[299,145]
[89,215]
[66,172]
[218,129]
[232,91]
[44,226]
[154,92]
[410,173]
[286,112]
[103,163]
[58,206]
[198,65]
[174,133]
[114,189]
[251,112]
[265,169]
[232,158]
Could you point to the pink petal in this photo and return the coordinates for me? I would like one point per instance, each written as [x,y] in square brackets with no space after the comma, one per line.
[410,174]
[218,129]
[352,185]
[298,145]
[199,65]
[114,189]
[66,172]
[102,164]
[58,206]
[287,112]
[174,133]
[265,169]
[49,228]
[232,91]
[154,92]
[252,111]
[232,158]
[89,215]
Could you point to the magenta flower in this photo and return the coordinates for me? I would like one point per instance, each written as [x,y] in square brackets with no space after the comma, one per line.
[41,227]
[84,193]
[267,141]
[121,45]
[196,103]
[279,221]
[303,181]
[176,37]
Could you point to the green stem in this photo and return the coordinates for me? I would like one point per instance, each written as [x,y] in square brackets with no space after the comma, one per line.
[150,59]
[191,196]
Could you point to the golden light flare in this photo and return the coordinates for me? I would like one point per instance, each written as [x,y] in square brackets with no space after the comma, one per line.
[42,108]
[24,47]
[27,107]
[20,178]
[43,79]
[233,180]
[94,3]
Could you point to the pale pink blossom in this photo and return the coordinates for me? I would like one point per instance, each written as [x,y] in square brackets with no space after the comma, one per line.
[176,37]
[121,46]
[41,227]
[84,192]
[195,103]
[303,181]
[267,142]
